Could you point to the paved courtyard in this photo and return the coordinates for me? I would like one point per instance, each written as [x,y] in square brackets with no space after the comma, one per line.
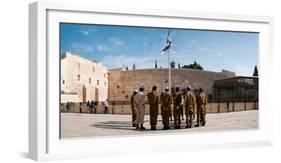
[75,125]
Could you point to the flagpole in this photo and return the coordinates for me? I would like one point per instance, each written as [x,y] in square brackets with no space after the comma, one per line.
[169,66]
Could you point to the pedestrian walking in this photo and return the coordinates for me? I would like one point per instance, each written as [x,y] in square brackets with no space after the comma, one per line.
[105,107]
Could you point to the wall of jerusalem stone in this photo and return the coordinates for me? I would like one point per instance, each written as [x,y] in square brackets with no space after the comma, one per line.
[122,83]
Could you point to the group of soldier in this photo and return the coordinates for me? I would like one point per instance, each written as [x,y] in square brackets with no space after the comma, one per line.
[171,104]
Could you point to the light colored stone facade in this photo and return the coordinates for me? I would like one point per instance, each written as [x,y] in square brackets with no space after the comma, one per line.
[123,82]
[82,79]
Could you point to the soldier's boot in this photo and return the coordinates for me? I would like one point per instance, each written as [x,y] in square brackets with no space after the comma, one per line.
[197,125]
[142,128]
[204,123]
[134,125]
[153,128]
[137,127]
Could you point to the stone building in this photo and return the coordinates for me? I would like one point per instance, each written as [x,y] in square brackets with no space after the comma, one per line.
[238,88]
[82,79]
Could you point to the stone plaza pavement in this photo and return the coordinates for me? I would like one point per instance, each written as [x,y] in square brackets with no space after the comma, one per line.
[75,125]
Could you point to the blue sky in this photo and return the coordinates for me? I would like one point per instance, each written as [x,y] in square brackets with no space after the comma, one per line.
[117,46]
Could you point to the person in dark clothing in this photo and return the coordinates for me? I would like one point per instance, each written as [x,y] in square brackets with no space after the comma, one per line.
[92,105]
[80,107]
[68,107]
[89,108]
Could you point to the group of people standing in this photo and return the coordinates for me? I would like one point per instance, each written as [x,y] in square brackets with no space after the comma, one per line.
[92,107]
[171,104]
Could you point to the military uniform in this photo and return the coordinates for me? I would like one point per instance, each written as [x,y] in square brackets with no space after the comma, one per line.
[133,108]
[176,110]
[153,100]
[189,108]
[139,102]
[201,100]
[166,101]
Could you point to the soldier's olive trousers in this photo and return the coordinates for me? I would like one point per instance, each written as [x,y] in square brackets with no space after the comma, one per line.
[181,111]
[134,114]
[140,116]
[201,114]
[177,114]
[165,116]
[153,115]
[189,111]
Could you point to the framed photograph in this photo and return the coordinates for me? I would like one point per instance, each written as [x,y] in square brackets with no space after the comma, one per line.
[108,81]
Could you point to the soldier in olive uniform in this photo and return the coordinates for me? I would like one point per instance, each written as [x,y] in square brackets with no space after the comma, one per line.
[153,101]
[176,110]
[133,108]
[201,100]
[189,107]
[166,101]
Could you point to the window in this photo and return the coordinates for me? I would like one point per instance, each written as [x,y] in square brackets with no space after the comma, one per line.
[63,82]
[104,74]
[78,77]
[98,82]
[94,70]
[90,80]
[104,83]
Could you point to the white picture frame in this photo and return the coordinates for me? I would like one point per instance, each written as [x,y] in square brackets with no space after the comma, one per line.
[44,142]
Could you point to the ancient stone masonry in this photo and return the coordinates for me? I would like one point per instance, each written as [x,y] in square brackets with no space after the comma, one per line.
[123,82]
[82,79]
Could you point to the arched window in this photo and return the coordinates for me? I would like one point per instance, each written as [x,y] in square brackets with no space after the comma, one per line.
[78,77]
[90,80]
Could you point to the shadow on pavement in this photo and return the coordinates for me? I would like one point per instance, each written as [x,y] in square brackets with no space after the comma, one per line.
[120,125]
[123,125]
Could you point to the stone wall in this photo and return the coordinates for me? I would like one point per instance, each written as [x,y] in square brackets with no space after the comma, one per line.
[126,109]
[122,83]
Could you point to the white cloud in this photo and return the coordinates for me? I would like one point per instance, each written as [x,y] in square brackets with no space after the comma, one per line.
[141,61]
[211,52]
[87,31]
[116,41]
[82,47]
[103,48]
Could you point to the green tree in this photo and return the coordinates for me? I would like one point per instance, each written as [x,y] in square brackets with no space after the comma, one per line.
[195,65]
[256,73]
[173,64]
[156,66]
